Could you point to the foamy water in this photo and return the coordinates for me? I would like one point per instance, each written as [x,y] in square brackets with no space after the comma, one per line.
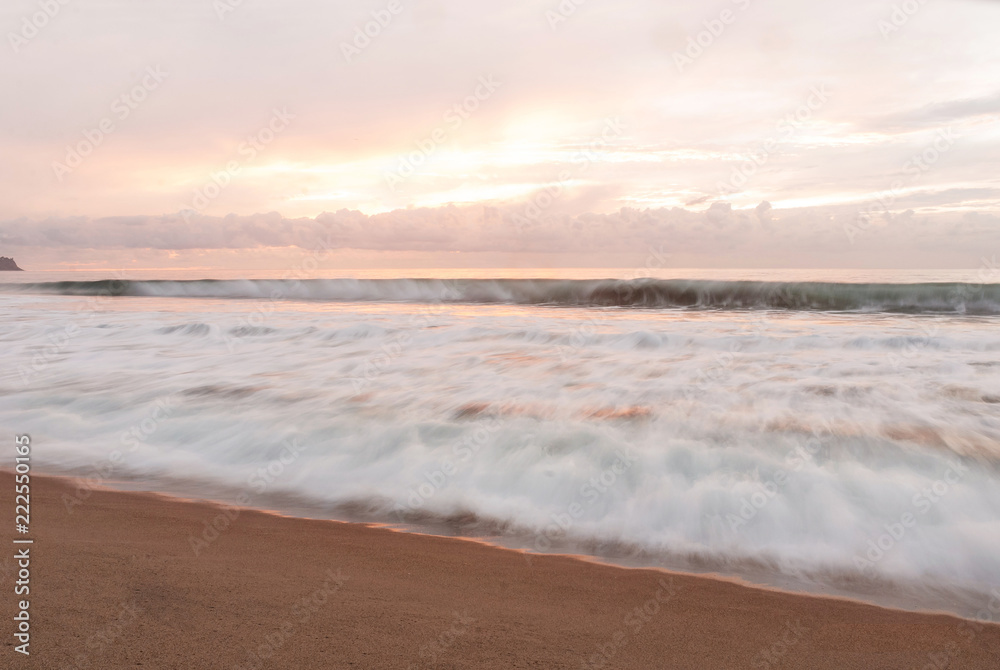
[754,428]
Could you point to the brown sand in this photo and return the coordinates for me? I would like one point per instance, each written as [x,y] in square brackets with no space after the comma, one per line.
[117,584]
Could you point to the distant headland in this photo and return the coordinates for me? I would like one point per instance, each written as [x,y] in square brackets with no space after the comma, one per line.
[8,264]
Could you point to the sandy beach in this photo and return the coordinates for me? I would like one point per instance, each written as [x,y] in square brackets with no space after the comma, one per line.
[119,583]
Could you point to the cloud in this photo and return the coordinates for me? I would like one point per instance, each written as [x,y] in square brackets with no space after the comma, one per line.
[686,134]
[938,114]
[818,236]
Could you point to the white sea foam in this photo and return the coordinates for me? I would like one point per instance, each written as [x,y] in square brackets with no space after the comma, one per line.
[817,444]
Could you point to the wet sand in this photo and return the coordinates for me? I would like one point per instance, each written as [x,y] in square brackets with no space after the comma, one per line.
[118,582]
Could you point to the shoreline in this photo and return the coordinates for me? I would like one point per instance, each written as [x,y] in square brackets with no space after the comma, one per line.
[889,595]
[119,581]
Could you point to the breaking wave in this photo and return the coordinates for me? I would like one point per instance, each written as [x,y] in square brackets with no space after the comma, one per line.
[922,298]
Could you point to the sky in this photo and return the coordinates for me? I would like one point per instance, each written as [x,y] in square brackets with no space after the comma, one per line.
[736,133]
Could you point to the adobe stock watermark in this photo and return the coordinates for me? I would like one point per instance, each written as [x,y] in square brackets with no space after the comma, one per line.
[589,494]
[31,25]
[914,346]
[376,364]
[433,650]
[159,411]
[987,273]
[463,451]
[957,294]
[563,11]
[786,127]
[247,150]
[772,655]
[896,530]
[914,169]
[60,339]
[714,28]
[633,623]
[106,637]
[223,7]
[545,198]
[968,629]
[121,108]
[454,117]
[756,326]
[899,17]
[305,269]
[795,461]
[364,35]
[260,481]
[625,289]
[301,612]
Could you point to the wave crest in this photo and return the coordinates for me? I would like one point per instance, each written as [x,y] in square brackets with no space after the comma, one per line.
[932,298]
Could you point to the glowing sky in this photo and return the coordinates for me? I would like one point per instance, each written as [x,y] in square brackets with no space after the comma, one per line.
[200,109]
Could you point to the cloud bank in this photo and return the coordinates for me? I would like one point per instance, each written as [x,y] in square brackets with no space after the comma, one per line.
[718,235]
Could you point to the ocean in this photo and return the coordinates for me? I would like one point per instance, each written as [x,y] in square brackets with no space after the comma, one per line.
[832,431]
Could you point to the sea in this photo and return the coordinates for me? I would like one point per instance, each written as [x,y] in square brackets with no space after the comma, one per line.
[827,431]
